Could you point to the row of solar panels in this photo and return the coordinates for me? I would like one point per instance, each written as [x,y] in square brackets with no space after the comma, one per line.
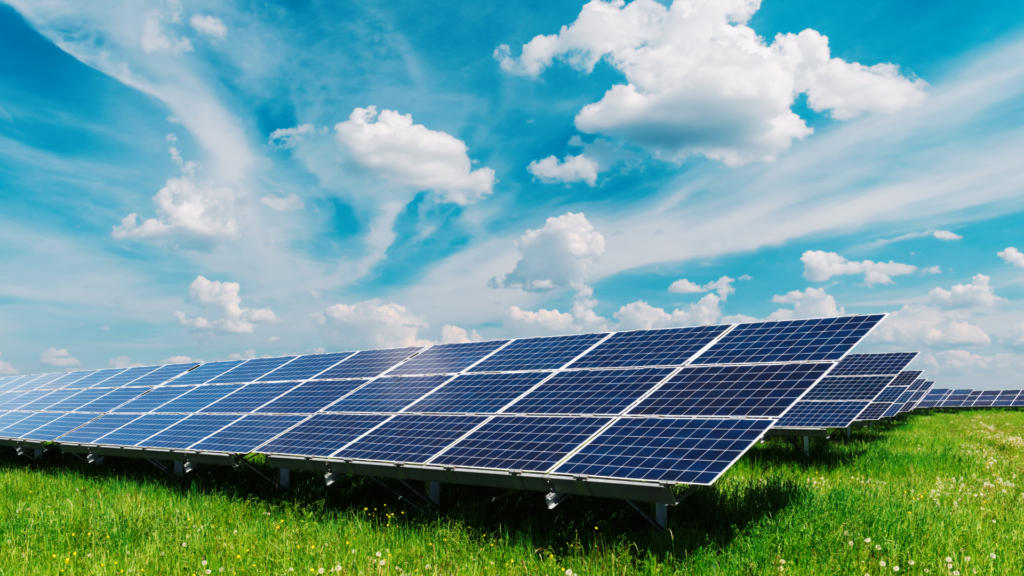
[967,398]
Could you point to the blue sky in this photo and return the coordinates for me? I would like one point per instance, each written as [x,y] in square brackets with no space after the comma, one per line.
[209,180]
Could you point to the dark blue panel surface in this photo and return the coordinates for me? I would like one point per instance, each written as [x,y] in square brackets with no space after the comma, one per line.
[129,376]
[98,378]
[874,411]
[1005,398]
[478,393]
[368,363]
[448,358]
[251,370]
[687,451]
[153,399]
[387,394]
[848,387]
[249,398]
[790,341]
[411,438]
[205,373]
[839,414]
[934,397]
[906,378]
[101,426]
[873,364]
[590,391]
[188,431]
[136,431]
[163,374]
[528,443]
[311,396]
[305,367]
[78,399]
[198,398]
[246,434]
[974,396]
[669,347]
[322,435]
[890,393]
[1019,400]
[58,427]
[765,390]
[26,425]
[538,353]
[111,400]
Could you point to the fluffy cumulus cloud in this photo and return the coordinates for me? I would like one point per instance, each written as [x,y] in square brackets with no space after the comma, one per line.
[284,138]
[6,369]
[1012,256]
[700,81]
[155,37]
[723,286]
[561,253]
[580,317]
[946,235]
[289,203]
[916,324]
[640,315]
[375,323]
[570,170]
[455,335]
[123,362]
[967,362]
[411,155]
[977,294]
[178,360]
[208,25]
[811,303]
[1015,336]
[59,358]
[224,298]
[820,266]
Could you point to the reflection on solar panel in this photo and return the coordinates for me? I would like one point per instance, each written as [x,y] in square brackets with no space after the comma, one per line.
[249,398]
[823,414]
[111,400]
[793,341]
[367,364]
[957,398]
[101,426]
[189,431]
[532,443]
[765,390]
[47,399]
[162,374]
[136,431]
[35,420]
[199,398]
[872,364]
[70,379]
[97,378]
[478,393]
[848,388]
[410,438]
[28,383]
[538,353]
[387,394]
[448,358]
[78,398]
[310,397]
[589,391]
[669,347]
[10,403]
[691,451]
[44,381]
[322,435]
[246,434]
[205,373]
[128,376]
[304,367]
[251,370]
[24,399]
[58,427]
[154,399]
[874,411]
[11,418]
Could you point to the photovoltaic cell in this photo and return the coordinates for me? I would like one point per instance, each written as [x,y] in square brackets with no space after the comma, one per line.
[60,426]
[478,393]
[205,373]
[98,378]
[26,425]
[848,387]
[198,398]
[411,438]
[101,426]
[590,391]
[251,370]
[531,443]
[906,378]
[11,418]
[764,390]
[77,399]
[874,411]
[538,353]
[188,431]
[246,434]
[71,379]
[448,358]
[163,374]
[934,397]
[48,398]
[304,367]
[128,376]
[322,435]
[8,401]
[387,394]
[972,398]
[687,451]
[44,382]
[1019,400]
[872,364]
[790,341]
[28,383]
[1006,397]
[368,363]
[249,398]
[24,399]
[839,414]
[669,347]
[111,400]
[154,399]
[136,431]
[890,393]
[311,397]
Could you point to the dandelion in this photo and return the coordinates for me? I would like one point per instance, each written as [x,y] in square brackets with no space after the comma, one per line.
[781,561]
[320,571]
[911,562]
[568,572]
[184,544]
[382,562]
[882,563]
[428,566]
[378,554]
[967,558]
[353,551]
[867,540]
[203,562]
[878,546]
[948,559]
[850,542]
[895,568]
[992,555]
[208,571]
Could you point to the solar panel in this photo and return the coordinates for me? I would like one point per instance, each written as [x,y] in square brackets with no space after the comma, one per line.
[1006,397]
[872,364]
[822,414]
[16,382]
[906,378]
[448,358]
[26,425]
[188,431]
[848,388]
[410,438]
[538,353]
[668,347]
[590,391]
[1019,400]
[111,400]
[368,363]
[246,434]
[154,399]
[764,390]
[198,398]
[251,370]
[136,431]
[531,443]
[97,378]
[128,376]
[874,411]
[684,450]
[58,427]
[972,398]
[44,381]
[78,399]
[322,435]
[8,401]
[893,409]
[387,394]
[11,418]
[101,426]
[249,398]
[311,397]
[28,383]
[790,341]
[478,393]
[204,373]
[48,397]
[70,379]
[304,367]
[24,399]
[163,374]
[890,393]
[934,398]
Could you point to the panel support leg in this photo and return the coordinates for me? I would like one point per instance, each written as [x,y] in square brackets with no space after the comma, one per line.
[38,454]
[433,491]
[553,499]
[179,468]
[807,445]
[849,433]
[649,517]
[284,478]
[659,512]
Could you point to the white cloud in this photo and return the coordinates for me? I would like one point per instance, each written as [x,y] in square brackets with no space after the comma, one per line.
[684,286]
[946,235]
[700,81]
[820,266]
[931,270]
[811,303]
[284,138]
[123,362]
[562,253]
[155,38]
[976,294]
[209,25]
[289,203]
[723,286]
[247,355]
[1012,256]
[580,317]
[965,362]
[916,324]
[411,155]
[224,295]
[571,169]
[273,339]
[640,315]
[178,360]
[375,323]
[6,369]
[455,335]
[1015,336]
[59,358]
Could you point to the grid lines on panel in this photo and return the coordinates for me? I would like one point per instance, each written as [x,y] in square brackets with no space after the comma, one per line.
[368,363]
[128,376]
[249,398]
[873,364]
[198,398]
[304,367]
[154,399]
[890,393]
[251,370]
[46,382]
[71,379]
[824,414]
[848,387]
[1019,400]
[188,431]
[246,434]
[478,393]
[205,373]
[58,427]
[112,399]
[677,450]
[78,399]
[1006,398]
[10,400]
[162,374]
[98,378]
[9,419]
[410,438]
[538,353]
[906,378]
[311,396]
[933,397]
[387,394]
[668,347]
[448,358]
[322,435]
[49,398]
[35,420]
[136,431]
[589,391]
[874,410]
[101,426]
[789,341]
[25,399]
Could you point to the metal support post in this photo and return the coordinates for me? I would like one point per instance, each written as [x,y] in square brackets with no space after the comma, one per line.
[648,517]
[179,468]
[38,454]
[433,491]
[659,512]
[284,478]
[807,445]
[849,433]
[553,499]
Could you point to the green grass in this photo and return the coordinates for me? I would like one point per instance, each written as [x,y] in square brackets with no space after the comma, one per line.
[930,487]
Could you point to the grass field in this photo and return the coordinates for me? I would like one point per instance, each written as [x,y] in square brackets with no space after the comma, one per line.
[931,494]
